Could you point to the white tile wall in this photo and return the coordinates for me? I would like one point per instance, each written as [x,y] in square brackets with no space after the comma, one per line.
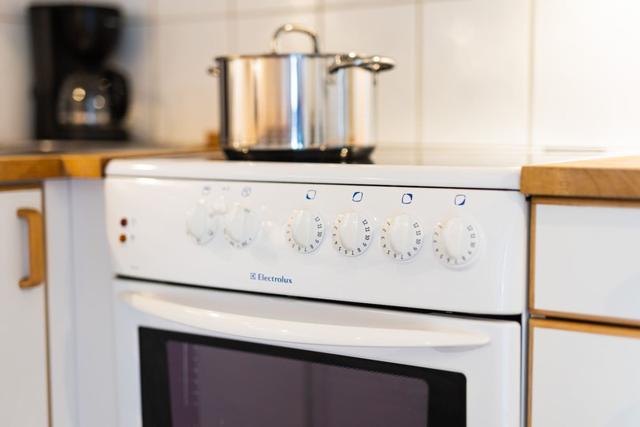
[134,60]
[475,71]
[586,75]
[15,67]
[132,9]
[186,102]
[466,72]
[11,9]
[271,5]
[192,8]
[15,94]
[386,31]
[253,33]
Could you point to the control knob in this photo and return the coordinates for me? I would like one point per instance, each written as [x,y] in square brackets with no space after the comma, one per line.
[202,222]
[352,234]
[456,241]
[402,237]
[304,231]
[242,226]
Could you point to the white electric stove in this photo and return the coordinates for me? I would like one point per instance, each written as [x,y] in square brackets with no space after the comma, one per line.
[279,294]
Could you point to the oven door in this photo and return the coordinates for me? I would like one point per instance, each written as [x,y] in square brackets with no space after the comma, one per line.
[196,357]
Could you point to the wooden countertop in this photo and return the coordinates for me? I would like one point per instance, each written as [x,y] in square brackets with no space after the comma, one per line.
[601,178]
[79,164]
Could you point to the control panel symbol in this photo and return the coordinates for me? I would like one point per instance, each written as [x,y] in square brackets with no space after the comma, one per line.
[460,200]
[407,198]
[311,195]
[357,196]
[246,191]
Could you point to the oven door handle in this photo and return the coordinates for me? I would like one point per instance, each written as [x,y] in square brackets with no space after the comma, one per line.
[248,325]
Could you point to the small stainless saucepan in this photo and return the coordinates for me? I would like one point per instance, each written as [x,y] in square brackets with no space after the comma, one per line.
[298,106]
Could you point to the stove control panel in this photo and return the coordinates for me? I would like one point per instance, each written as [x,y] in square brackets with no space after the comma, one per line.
[354,243]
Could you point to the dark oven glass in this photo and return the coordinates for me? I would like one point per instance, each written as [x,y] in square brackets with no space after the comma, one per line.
[193,381]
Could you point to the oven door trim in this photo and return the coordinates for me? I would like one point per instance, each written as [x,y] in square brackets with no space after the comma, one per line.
[294,323]
[492,368]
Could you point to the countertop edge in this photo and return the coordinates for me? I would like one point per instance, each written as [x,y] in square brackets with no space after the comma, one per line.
[36,167]
[599,178]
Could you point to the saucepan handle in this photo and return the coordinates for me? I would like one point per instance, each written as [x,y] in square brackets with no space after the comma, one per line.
[373,63]
[214,70]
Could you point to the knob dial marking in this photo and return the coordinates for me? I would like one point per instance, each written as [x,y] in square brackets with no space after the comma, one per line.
[401,238]
[202,222]
[352,234]
[242,226]
[304,231]
[456,242]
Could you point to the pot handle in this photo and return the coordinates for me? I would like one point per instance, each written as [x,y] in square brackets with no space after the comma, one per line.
[213,70]
[294,28]
[373,63]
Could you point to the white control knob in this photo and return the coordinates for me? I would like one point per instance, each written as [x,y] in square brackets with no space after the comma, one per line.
[202,222]
[456,241]
[352,234]
[305,231]
[242,226]
[402,237]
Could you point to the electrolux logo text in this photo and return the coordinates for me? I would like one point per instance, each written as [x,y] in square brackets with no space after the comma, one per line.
[273,279]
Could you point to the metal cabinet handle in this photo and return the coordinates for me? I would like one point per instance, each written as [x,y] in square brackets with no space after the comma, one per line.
[372,63]
[294,28]
[36,247]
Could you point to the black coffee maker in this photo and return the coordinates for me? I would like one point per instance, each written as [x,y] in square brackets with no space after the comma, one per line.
[77,96]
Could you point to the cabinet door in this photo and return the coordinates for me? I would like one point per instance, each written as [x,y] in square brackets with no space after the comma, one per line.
[584,375]
[23,339]
[585,260]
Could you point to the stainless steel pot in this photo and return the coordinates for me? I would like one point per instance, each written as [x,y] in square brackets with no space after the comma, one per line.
[292,106]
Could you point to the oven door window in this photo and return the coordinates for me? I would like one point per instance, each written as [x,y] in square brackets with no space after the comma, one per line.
[192,381]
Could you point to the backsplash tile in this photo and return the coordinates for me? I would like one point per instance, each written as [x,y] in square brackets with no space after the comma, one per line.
[12,10]
[464,70]
[586,68]
[253,34]
[192,8]
[186,103]
[131,9]
[15,86]
[133,58]
[243,6]
[475,71]
[386,31]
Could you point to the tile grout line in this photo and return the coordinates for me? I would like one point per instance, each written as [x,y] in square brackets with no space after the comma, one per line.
[321,19]
[419,52]
[154,36]
[531,70]
[231,13]
[321,6]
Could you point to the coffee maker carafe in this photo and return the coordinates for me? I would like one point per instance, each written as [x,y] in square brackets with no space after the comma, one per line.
[77,95]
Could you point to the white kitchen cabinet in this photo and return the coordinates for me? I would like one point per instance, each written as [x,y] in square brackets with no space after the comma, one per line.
[584,375]
[23,331]
[585,260]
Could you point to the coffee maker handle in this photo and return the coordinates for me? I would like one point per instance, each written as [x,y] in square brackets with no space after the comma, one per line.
[119,94]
